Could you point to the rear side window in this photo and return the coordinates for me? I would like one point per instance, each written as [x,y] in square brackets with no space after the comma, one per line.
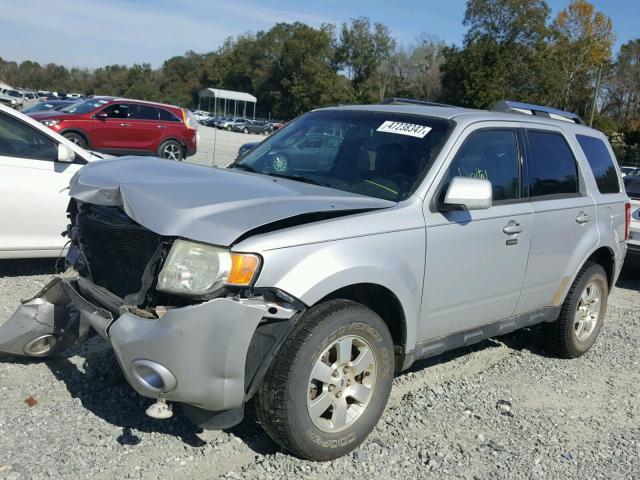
[143,112]
[491,155]
[166,116]
[552,167]
[601,163]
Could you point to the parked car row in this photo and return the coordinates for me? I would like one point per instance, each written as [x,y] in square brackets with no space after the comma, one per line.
[244,125]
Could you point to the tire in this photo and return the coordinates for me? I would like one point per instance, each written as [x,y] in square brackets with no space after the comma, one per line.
[245,130]
[571,336]
[229,128]
[76,138]
[171,150]
[284,401]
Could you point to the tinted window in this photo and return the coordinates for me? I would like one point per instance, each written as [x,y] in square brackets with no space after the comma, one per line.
[166,116]
[143,112]
[85,106]
[601,163]
[20,140]
[117,110]
[490,155]
[552,168]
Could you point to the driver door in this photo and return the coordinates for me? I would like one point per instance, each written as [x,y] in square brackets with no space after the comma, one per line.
[475,263]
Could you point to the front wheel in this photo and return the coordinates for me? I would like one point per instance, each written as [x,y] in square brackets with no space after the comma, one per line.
[582,314]
[76,138]
[329,384]
[245,130]
[171,150]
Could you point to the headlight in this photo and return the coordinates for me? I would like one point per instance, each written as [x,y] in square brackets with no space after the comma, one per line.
[196,269]
[50,123]
[13,101]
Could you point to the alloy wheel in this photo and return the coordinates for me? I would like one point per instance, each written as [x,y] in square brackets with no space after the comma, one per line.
[588,311]
[341,384]
[172,151]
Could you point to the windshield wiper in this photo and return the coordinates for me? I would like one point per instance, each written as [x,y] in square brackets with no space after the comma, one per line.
[297,178]
[241,166]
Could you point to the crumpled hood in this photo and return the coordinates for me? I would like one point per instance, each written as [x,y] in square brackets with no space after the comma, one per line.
[211,205]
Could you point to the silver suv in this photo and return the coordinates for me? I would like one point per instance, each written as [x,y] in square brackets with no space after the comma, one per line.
[306,289]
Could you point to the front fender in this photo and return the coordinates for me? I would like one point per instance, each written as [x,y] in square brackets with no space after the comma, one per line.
[392,260]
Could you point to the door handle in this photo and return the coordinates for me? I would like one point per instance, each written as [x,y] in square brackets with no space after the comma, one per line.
[125,124]
[161,126]
[583,218]
[512,228]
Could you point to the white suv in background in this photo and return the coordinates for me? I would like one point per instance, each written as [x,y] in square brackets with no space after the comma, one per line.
[36,165]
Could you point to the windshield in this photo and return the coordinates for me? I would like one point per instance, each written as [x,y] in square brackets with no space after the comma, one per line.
[383,155]
[85,106]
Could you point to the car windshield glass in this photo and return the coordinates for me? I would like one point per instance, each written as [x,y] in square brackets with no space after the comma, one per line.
[383,155]
[85,106]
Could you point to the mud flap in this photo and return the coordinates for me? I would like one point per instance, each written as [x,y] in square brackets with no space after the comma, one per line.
[45,324]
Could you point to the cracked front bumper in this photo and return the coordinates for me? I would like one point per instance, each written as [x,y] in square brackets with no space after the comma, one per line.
[201,349]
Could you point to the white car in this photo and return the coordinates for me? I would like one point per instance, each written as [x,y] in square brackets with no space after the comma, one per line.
[36,165]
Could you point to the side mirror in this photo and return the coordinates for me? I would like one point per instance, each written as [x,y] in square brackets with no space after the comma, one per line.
[469,193]
[101,116]
[65,154]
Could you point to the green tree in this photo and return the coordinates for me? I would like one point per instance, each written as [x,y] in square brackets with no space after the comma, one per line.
[582,40]
[503,55]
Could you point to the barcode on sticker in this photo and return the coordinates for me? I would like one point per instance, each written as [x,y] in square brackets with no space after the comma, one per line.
[401,128]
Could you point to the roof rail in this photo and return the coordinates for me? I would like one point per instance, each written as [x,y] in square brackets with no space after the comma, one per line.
[408,101]
[530,109]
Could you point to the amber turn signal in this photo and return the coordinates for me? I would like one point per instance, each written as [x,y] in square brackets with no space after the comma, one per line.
[243,268]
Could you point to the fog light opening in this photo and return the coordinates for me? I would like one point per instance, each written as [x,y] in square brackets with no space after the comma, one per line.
[40,346]
[153,376]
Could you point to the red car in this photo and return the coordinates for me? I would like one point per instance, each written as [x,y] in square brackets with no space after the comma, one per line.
[120,126]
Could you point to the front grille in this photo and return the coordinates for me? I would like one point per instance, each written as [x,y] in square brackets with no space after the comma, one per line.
[116,249]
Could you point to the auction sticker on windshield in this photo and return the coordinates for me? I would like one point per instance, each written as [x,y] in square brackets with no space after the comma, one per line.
[401,128]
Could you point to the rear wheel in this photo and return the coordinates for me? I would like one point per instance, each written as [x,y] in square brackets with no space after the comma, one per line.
[329,384]
[582,314]
[245,130]
[76,138]
[171,150]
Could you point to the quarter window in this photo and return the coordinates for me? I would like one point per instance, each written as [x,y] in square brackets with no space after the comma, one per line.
[601,163]
[166,116]
[552,167]
[491,155]
[20,140]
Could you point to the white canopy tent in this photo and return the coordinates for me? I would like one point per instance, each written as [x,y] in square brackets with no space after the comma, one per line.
[222,100]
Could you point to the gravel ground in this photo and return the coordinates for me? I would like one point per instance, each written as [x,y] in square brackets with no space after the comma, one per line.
[502,409]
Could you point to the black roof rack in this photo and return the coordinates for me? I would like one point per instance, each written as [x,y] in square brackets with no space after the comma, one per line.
[408,101]
[530,109]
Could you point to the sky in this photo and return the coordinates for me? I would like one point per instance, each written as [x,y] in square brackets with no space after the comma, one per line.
[93,33]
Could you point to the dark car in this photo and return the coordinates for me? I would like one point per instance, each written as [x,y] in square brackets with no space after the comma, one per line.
[308,152]
[251,126]
[48,105]
[120,126]
[245,147]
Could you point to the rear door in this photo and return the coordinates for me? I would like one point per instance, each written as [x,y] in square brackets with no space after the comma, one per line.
[476,260]
[34,190]
[564,213]
[145,128]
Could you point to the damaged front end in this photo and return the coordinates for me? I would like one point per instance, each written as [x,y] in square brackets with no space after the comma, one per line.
[207,352]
